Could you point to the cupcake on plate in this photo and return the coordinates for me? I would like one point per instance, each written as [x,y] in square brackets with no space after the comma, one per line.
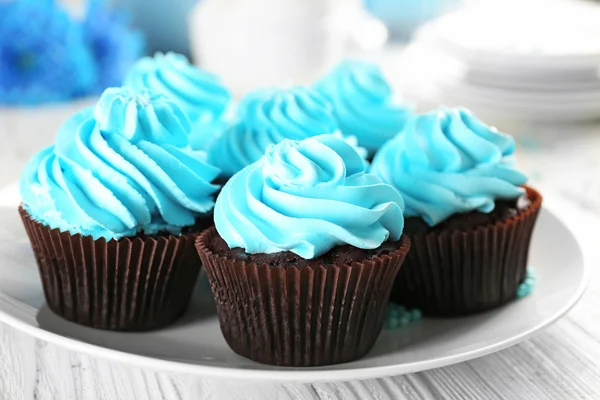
[306,247]
[363,103]
[268,116]
[201,95]
[468,215]
[111,210]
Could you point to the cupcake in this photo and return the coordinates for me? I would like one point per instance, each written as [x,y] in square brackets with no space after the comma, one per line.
[200,94]
[306,247]
[111,210]
[468,215]
[363,103]
[268,116]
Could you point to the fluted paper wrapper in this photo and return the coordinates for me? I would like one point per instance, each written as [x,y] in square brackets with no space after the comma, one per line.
[461,272]
[130,284]
[300,316]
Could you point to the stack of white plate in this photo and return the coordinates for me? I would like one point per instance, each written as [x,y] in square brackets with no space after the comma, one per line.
[526,59]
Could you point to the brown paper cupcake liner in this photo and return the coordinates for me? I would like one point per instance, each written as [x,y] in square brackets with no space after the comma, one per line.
[460,272]
[129,284]
[300,316]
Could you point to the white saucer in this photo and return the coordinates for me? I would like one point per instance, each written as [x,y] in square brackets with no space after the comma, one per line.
[539,34]
[195,345]
[509,60]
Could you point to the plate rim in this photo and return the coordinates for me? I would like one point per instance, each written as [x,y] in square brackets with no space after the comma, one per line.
[319,374]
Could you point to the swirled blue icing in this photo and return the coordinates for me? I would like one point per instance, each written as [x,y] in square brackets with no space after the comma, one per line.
[352,141]
[363,103]
[267,116]
[200,94]
[120,168]
[446,162]
[308,197]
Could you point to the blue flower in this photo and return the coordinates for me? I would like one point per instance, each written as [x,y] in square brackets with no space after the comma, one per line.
[114,44]
[43,56]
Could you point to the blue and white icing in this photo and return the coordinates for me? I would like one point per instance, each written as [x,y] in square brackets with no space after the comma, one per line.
[267,116]
[446,162]
[308,197]
[363,103]
[118,169]
[201,95]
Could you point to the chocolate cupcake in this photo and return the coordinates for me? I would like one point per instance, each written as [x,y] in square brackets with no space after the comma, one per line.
[111,209]
[363,103]
[306,247]
[201,95]
[469,217]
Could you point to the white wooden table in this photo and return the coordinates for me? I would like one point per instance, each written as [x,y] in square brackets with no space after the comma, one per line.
[563,362]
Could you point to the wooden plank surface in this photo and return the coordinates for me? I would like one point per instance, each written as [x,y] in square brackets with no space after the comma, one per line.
[561,363]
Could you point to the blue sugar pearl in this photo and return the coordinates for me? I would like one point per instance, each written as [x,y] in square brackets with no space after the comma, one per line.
[523,290]
[404,321]
[528,282]
[391,323]
[527,286]
[397,316]
[396,313]
[415,314]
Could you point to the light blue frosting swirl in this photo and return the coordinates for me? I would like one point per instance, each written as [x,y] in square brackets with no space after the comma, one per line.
[201,95]
[363,103]
[447,162]
[267,116]
[120,168]
[308,197]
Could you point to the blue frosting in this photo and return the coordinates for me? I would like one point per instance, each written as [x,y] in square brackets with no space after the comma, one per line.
[200,94]
[352,141]
[308,197]
[363,103]
[447,162]
[267,116]
[120,168]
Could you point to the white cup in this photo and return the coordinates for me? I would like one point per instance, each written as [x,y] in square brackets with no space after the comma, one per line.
[255,43]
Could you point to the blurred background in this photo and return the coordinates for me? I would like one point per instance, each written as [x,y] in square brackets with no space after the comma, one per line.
[530,67]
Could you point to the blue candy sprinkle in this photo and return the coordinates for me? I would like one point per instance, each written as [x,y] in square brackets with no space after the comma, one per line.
[527,286]
[415,314]
[397,316]
[404,320]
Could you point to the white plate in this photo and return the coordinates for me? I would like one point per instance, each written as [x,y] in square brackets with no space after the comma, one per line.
[195,345]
